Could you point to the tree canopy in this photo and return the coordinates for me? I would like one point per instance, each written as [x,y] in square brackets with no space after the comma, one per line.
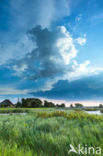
[36,103]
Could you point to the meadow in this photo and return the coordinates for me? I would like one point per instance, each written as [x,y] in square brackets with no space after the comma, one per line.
[48,132]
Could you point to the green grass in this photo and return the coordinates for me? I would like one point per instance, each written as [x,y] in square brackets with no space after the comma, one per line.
[24,110]
[48,132]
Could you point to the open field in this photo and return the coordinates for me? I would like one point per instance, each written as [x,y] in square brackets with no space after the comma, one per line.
[47,132]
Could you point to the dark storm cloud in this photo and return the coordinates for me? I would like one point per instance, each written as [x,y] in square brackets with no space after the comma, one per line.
[45,61]
[84,89]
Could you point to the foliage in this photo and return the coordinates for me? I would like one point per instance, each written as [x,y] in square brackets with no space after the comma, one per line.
[100,106]
[71,105]
[78,105]
[36,103]
[18,105]
[60,105]
[31,103]
[48,104]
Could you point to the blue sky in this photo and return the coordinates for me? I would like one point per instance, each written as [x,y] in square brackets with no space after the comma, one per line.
[51,49]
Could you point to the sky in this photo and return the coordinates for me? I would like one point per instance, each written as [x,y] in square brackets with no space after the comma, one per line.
[52,50]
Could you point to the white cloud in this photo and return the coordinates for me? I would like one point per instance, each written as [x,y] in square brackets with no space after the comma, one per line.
[22,68]
[53,59]
[66,46]
[81,40]
[79,71]
[82,70]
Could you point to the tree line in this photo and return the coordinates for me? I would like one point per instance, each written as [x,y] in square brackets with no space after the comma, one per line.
[36,103]
[77,105]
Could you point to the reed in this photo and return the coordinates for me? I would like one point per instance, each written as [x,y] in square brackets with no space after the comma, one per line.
[48,133]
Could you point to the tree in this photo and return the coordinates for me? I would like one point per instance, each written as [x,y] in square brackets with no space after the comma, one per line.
[62,105]
[31,103]
[36,103]
[71,105]
[24,103]
[78,105]
[100,106]
[48,104]
[18,104]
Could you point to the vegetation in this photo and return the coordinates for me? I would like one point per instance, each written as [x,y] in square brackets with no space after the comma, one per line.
[48,104]
[36,103]
[71,105]
[92,109]
[29,103]
[14,110]
[62,105]
[48,133]
[100,106]
[101,110]
[78,105]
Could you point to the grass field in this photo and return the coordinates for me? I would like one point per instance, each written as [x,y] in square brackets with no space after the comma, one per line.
[47,132]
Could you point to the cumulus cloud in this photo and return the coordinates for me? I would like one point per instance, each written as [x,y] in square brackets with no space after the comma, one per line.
[52,56]
[24,15]
[66,46]
[43,55]
[52,59]
[82,70]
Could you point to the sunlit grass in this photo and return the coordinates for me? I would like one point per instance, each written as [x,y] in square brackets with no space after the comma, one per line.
[48,133]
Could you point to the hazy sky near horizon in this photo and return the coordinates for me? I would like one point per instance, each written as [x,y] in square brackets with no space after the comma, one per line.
[51,49]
